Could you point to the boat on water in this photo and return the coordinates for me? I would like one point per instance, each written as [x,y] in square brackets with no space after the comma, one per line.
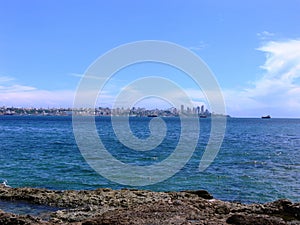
[266,117]
[152,115]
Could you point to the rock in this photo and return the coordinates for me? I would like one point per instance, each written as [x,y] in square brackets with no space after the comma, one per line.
[201,193]
[12,219]
[107,206]
[254,220]
[157,213]
[284,208]
[222,209]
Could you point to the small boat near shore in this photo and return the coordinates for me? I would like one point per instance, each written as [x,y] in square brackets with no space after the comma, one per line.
[266,117]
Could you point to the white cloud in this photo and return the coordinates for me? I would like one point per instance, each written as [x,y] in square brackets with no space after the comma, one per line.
[89,76]
[278,90]
[198,47]
[164,97]
[8,86]
[15,88]
[37,98]
[265,35]
[18,95]
[5,79]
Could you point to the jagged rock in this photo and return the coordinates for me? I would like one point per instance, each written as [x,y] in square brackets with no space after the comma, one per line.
[254,220]
[107,206]
[201,193]
[222,209]
[12,219]
[284,209]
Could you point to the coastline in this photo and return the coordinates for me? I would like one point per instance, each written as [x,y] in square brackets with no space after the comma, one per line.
[107,206]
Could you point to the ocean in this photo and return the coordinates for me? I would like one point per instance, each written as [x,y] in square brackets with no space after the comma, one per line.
[259,160]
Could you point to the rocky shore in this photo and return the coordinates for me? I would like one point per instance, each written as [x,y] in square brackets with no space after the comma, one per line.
[106,206]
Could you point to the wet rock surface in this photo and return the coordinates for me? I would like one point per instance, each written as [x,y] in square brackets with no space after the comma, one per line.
[106,206]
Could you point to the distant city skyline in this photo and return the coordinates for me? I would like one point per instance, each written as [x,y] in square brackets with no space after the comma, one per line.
[106,111]
[253,49]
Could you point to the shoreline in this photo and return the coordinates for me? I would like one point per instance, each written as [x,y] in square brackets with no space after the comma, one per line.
[131,206]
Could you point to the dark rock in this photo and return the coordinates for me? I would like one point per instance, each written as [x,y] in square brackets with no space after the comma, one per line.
[222,209]
[12,219]
[253,220]
[201,193]
[284,208]
[294,210]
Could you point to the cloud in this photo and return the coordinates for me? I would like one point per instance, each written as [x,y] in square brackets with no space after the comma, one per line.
[15,88]
[76,75]
[18,95]
[5,79]
[278,90]
[265,35]
[198,47]
[37,98]
[15,94]
[7,85]
[87,76]
[152,94]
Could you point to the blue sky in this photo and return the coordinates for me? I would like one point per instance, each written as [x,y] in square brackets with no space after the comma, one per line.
[252,47]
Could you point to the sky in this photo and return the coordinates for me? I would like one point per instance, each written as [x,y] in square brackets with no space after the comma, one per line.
[252,48]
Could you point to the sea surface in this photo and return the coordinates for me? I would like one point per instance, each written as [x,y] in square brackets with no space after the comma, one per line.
[259,160]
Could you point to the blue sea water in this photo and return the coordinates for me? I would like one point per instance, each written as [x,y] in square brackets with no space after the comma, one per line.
[259,160]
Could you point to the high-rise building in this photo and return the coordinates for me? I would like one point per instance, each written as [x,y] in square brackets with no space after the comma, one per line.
[198,110]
